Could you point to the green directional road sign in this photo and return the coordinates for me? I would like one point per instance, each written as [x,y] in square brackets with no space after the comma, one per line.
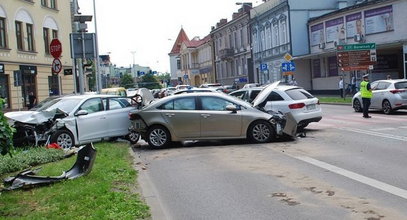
[351,47]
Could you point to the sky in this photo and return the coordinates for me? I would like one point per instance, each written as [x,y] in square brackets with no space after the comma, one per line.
[149,28]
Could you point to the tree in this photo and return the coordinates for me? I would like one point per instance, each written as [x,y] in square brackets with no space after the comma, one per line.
[150,82]
[127,81]
[6,132]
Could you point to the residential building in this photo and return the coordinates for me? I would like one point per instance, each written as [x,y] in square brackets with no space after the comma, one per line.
[377,21]
[279,27]
[196,61]
[26,30]
[175,61]
[232,53]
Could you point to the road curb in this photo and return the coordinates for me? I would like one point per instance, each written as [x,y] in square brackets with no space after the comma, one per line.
[336,103]
[148,191]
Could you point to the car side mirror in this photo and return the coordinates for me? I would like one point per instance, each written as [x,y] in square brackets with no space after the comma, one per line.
[82,112]
[231,108]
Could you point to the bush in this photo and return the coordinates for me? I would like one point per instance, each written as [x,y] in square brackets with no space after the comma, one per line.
[6,132]
[28,158]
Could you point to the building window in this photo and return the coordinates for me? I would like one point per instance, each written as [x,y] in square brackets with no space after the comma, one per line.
[275,35]
[19,36]
[241,38]
[44,3]
[283,32]
[53,4]
[30,37]
[54,34]
[3,33]
[235,40]
[45,32]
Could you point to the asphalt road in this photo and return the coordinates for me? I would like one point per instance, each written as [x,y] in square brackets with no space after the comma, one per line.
[347,167]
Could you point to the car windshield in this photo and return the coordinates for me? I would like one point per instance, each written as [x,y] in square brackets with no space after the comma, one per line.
[401,85]
[66,105]
[298,94]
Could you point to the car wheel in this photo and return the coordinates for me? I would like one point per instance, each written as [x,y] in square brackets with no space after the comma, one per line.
[133,137]
[357,106]
[261,132]
[158,136]
[387,107]
[63,138]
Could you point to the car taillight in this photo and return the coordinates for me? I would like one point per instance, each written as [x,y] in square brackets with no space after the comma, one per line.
[394,91]
[296,105]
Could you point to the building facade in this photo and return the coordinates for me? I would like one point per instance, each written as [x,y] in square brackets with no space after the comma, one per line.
[232,52]
[279,27]
[26,30]
[196,61]
[379,21]
[175,60]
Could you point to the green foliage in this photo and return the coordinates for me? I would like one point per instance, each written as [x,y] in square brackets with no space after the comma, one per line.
[107,192]
[149,81]
[6,132]
[127,81]
[24,159]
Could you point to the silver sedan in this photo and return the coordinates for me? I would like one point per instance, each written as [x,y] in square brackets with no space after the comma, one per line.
[388,96]
[202,116]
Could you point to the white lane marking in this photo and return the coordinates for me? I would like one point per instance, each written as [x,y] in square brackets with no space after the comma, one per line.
[395,137]
[357,177]
[382,129]
[403,127]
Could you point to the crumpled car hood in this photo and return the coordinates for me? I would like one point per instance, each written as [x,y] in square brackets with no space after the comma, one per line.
[32,117]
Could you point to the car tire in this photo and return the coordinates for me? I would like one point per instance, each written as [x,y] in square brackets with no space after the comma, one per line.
[386,106]
[133,137]
[261,132]
[357,106]
[158,136]
[63,138]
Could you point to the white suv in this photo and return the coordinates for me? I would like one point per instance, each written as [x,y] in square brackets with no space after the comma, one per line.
[304,107]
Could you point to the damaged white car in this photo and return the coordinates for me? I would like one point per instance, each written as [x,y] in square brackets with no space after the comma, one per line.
[73,120]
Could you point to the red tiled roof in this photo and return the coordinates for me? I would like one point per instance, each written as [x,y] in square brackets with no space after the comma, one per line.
[196,43]
[182,37]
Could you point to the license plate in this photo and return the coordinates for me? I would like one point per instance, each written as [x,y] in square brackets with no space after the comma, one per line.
[311,107]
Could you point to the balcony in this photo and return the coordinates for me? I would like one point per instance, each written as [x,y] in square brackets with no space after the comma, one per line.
[226,53]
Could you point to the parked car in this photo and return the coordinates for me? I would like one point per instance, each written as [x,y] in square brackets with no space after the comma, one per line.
[250,85]
[192,90]
[74,120]
[304,107]
[205,116]
[247,94]
[118,91]
[207,85]
[388,96]
[181,87]
[229,88]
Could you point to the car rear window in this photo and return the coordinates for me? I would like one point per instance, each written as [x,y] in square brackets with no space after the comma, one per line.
[254,94]
[401,85]
[298,94]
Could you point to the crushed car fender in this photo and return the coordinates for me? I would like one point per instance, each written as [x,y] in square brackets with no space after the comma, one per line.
[28,179]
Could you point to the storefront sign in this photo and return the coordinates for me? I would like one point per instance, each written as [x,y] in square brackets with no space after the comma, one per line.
[354,25]
[317,34]
[334,29]
[32,70]
[379,20]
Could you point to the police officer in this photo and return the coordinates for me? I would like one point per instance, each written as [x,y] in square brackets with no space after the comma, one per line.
[366,93]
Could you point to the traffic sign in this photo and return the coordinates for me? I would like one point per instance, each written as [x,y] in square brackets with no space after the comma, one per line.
[263,66]
[352,47]
[56,66]
[55,48]
[288,57]
[288,67]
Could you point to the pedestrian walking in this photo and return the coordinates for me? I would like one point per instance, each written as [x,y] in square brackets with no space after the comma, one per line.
[340,85]
[388,77]
[366,93]
[32,100]
[353,84]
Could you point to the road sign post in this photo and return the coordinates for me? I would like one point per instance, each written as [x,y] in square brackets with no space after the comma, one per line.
[56,66]
[356,56]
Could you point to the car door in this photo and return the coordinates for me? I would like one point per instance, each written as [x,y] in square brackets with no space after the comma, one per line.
[92,126]
[379,92]
[181,117]
[117,118]
[216,121]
